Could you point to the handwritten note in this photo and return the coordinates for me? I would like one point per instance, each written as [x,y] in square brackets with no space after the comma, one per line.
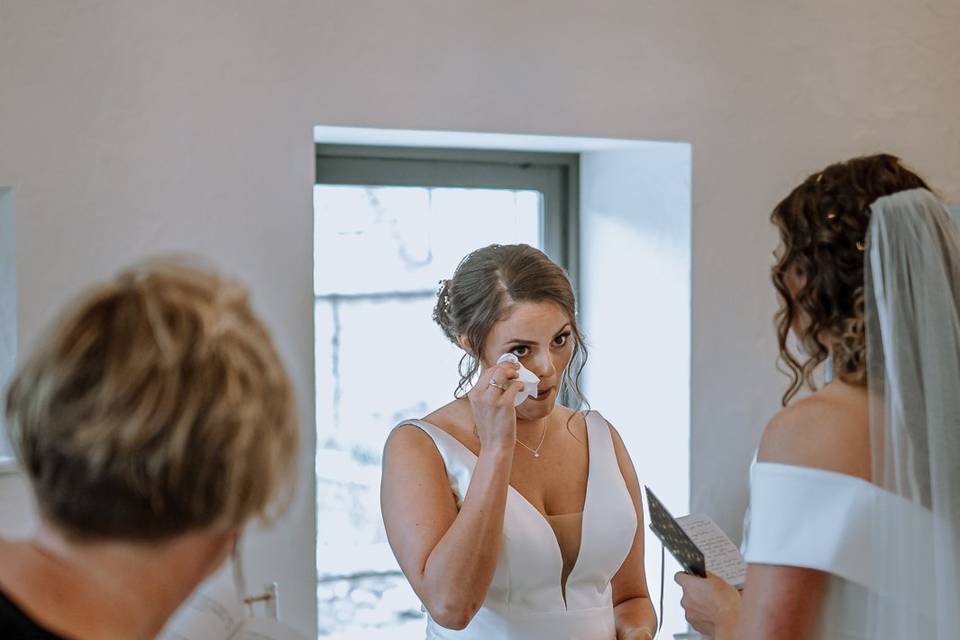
[722,556]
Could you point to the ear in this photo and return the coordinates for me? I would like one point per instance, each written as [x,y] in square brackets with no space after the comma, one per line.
[464,344]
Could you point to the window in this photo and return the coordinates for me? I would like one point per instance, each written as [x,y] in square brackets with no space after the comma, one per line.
[389,225]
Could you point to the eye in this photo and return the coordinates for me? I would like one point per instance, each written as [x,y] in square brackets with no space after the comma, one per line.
[520,351]
[561,340]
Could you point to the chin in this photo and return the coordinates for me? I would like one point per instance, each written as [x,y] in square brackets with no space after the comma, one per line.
[532,410]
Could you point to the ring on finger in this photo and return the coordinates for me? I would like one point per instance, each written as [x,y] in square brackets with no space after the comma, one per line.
[493,383]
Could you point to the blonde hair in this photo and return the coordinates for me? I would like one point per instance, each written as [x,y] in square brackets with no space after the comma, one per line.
[157,406]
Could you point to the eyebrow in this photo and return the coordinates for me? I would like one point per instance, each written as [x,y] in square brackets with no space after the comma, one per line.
[527,343]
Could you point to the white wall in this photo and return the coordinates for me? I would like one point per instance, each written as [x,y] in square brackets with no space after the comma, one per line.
[129,128]
[17,515]
[635,307]
[8,303]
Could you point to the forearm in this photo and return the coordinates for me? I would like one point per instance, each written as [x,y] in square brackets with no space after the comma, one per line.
[635,619]
[461,566]
[726,630]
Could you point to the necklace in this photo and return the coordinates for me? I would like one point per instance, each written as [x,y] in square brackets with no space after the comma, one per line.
[543,436]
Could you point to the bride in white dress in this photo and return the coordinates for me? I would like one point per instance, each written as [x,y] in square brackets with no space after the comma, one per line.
[516,523]
[854,523]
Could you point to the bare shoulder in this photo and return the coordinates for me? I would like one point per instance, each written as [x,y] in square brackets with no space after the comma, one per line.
[828,430]
[451,417]
[573,421]
[29,578]
[408,440]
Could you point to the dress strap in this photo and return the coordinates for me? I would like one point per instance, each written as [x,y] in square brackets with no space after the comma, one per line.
[609,520]
[458,460]
[603,455]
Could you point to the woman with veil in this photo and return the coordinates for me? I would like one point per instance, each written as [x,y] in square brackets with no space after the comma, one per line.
[854,522]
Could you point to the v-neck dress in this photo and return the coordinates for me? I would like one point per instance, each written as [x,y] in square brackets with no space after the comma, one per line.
[526,599]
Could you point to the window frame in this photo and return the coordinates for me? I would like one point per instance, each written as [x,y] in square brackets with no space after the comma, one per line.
[555,175]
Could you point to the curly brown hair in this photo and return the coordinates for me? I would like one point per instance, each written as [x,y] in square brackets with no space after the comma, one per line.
[484,288]
[823,226]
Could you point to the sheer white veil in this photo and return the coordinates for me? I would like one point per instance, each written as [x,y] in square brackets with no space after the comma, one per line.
[912,315]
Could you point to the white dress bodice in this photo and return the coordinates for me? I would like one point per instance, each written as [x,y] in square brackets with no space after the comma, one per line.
[525,600]
[823,520]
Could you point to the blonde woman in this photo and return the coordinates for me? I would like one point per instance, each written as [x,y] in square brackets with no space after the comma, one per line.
[516,522]
[152,422]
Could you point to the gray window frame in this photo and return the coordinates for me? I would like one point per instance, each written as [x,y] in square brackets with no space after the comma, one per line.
[555,175]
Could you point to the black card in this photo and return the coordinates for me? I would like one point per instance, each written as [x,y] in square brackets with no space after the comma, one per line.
[677,542]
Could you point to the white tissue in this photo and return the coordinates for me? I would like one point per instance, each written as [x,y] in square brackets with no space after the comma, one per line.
[528,378]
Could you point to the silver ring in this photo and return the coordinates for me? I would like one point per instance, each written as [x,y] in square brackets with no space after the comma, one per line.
[493,383]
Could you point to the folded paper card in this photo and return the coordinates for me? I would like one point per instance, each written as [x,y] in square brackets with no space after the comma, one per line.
[697,543]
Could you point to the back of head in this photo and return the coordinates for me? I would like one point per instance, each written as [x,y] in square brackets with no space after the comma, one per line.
[158,405]
[823,226]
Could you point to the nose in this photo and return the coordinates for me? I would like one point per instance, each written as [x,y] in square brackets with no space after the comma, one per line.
[542,365]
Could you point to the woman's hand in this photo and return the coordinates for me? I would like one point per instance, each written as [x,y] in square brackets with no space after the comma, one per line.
[492,405]
[711,603]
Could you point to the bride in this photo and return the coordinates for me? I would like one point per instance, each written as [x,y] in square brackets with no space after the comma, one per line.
[854,521]
[516,523]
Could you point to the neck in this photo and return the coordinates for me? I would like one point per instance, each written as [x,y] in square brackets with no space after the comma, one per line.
[534,425]
[122,588]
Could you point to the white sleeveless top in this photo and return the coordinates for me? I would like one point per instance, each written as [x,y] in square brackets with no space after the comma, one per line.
[524,600]
[823,520]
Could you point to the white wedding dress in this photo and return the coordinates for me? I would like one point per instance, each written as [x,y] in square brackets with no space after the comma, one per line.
[525,600]
[891,548]
[816,519]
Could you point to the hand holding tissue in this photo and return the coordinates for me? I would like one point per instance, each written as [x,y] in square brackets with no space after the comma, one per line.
[528,378]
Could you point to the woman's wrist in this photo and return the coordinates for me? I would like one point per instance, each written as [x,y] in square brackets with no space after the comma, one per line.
[726,623]
[501,448]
